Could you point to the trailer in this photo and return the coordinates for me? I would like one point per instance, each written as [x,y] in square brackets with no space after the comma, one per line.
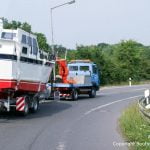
[25,71]
[78,77]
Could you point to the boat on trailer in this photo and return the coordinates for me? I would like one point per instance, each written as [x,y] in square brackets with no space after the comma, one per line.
[24,68]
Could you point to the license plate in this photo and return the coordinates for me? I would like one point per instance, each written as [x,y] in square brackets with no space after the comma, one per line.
[56,95]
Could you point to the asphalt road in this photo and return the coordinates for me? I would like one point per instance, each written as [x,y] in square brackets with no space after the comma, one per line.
[87,124]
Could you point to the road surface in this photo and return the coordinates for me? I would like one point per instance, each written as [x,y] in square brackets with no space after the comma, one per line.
[87,124]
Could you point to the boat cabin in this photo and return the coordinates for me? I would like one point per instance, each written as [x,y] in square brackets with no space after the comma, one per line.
[27,42]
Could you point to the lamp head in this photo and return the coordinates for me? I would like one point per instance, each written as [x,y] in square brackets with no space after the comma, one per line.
[71,2]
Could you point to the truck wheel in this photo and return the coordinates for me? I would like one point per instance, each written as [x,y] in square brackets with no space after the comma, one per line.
[35,106]
[74,95]
[92,93]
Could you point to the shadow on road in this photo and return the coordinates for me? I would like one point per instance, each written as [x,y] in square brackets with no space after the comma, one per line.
[46,109]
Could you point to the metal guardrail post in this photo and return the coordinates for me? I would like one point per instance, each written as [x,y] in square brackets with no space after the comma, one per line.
[144,105]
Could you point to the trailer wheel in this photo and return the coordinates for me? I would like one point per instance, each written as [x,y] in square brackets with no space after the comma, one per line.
[74,95]
[35,106]
[26,107]
[92,93]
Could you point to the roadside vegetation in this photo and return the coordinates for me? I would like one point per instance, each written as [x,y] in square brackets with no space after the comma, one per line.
[116,62]
[119,62]
[135,129]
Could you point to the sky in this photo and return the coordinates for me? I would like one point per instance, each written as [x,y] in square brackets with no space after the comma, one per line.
[85,22]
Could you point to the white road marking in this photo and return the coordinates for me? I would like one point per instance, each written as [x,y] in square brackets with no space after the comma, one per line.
[61,146]
[46,101]
[108,104]
[63,142]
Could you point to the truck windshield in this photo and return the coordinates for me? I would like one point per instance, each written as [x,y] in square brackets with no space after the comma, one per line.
[73,68]
[7,35]
[84,68]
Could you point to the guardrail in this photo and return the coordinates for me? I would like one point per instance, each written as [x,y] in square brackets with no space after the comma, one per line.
[144,105]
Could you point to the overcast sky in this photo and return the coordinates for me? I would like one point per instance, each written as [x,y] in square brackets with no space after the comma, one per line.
[85,22]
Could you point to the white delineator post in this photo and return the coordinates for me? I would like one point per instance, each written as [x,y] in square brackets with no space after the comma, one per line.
[130,82]
[147,94]
[1,24]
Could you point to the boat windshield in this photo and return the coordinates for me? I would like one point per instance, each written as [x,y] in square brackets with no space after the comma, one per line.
[8,35]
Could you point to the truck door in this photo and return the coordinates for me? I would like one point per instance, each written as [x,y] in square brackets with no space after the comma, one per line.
[73,70]
[95,75]
[84,70]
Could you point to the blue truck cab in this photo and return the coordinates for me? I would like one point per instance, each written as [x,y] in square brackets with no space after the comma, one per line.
[85,68]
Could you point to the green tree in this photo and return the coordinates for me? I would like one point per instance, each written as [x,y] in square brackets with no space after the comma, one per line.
[128,58]
[26,27]
[7,25]
[16,24]
[42,41]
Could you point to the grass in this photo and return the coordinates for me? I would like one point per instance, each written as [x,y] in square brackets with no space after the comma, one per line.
[135,129]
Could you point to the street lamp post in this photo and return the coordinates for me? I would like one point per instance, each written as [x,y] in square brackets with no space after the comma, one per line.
[52,28]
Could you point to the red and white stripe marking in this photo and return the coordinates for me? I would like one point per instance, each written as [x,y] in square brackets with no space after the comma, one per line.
[65,95]
[20,103]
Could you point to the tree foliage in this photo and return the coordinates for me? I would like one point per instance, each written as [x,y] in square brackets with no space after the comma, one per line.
[42,41]
[16,24]
[116,63]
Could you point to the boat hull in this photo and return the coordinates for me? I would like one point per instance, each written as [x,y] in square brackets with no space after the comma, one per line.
[22,86]
[24,76]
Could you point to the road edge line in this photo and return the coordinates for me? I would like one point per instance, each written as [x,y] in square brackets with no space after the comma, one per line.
[108,104]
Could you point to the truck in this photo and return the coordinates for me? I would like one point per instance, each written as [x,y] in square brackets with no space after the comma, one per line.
[76,78]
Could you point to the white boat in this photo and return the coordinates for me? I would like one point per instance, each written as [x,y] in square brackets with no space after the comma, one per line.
[23,67]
